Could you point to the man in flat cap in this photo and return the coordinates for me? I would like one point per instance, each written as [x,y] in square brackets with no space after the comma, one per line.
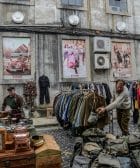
[13,103]
[122,103]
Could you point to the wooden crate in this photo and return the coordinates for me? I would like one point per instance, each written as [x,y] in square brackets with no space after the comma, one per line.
[10,159]
[49,154]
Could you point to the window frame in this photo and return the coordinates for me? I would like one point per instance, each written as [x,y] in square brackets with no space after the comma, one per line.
[74,4]
[126,13]
[18,2]
[75,7]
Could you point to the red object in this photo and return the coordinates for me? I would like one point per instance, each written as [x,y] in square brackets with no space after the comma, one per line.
[138,96]
[17,160]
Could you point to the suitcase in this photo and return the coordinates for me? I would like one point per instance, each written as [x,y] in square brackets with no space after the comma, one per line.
[10,159]
[48,155]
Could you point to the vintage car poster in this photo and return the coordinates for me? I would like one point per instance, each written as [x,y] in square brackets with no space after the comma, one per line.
[121,59]
[16,57]
[74,58]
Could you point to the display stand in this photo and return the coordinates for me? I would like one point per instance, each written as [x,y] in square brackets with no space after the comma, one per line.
[47,155]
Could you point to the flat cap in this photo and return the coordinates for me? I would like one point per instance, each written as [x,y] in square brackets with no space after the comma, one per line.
[10,88]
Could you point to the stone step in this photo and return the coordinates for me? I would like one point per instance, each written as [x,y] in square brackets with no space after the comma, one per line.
[44,122]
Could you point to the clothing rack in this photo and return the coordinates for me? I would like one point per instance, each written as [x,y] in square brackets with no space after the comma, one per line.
[66,89]
[78,90]
[68,85]
[82,82]
[126,80]
[87,86]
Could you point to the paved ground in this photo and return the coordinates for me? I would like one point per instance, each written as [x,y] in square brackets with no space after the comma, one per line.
[45,122]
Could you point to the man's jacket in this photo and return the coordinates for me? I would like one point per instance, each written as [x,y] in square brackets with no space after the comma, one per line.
[15,102]
[122,101]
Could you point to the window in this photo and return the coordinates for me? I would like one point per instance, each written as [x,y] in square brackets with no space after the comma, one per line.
[80,5]
[72,2]
[118,5]
[20,2]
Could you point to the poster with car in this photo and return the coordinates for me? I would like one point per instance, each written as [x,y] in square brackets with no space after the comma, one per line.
[74,58]
[121,59]
[16,58]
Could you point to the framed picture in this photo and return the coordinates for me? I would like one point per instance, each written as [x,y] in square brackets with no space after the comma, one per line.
[16,58]
[121,59]
[74,58]
[2,139]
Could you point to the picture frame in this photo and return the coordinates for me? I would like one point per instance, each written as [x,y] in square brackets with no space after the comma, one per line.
[74,58]
[121,59]
[17,58]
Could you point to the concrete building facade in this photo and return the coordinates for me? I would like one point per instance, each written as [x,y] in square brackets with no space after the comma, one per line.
[103,35]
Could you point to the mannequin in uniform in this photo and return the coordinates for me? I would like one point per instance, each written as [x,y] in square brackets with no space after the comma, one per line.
[44,86]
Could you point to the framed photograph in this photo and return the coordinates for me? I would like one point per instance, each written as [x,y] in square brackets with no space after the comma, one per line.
[16,57]
[121,59]
[2,139]
[74,58]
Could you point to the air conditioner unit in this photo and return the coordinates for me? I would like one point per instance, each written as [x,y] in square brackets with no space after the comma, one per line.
[102,61]
[102,44]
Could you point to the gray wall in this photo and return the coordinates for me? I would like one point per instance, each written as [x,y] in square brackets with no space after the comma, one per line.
[47,49]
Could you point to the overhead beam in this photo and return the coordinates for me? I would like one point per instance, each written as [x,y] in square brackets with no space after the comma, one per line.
[69,31]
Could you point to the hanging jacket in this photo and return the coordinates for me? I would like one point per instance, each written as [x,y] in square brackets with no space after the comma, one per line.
[15,102]
[44,81]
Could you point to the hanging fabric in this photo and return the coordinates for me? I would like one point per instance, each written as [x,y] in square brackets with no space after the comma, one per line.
[73,108]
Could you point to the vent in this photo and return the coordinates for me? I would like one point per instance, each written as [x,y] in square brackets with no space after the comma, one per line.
[102,44]
[102,61]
